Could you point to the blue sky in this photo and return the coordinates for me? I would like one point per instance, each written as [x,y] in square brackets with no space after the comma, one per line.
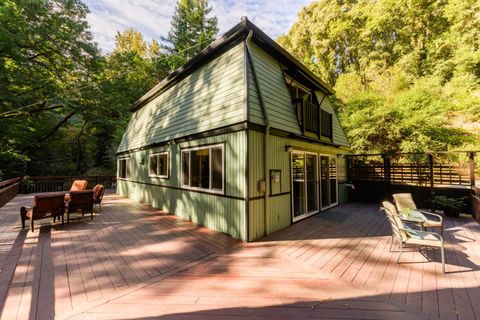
[152,17]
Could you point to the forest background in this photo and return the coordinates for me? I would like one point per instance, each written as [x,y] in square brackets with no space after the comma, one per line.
[406,75]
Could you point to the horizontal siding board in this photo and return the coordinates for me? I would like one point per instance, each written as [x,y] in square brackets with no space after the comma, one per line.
[209,98]
[274,92]
[219,213]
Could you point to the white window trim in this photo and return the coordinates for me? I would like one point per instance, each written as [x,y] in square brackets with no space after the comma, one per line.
[167,176]
[127,164]
[209,147]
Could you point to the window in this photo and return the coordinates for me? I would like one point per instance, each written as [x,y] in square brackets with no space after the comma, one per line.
[123,168]
[202,168]
[158,166]
[326,127]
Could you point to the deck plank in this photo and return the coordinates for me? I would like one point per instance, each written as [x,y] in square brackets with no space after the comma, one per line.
[337,262]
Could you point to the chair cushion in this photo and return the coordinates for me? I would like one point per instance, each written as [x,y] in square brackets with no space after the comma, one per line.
[79,185]
[404,201]
[423,238]
[28,212]
[98,191]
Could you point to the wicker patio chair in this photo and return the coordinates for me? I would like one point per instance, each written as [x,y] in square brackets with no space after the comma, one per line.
[98,192]
[406,236]
[44,206]
[404,202]
[80,201]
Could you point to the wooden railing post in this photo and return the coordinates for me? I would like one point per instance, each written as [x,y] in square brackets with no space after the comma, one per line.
[386,174]
[471,163]
[432,182]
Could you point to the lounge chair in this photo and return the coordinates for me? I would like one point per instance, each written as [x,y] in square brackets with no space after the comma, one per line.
[98,192]
[80,201]
[404,202]
[44,206]
[407,236]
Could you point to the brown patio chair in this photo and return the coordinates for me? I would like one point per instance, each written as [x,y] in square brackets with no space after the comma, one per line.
[98,192]
[404,202]
[406,236]
[80,201]
[77,185]
[44,206]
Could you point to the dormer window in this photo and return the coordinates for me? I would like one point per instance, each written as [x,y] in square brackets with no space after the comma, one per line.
[306,107]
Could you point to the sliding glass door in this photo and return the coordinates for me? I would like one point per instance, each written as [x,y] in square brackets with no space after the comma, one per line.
[328,181]
[304,184]
[298,185]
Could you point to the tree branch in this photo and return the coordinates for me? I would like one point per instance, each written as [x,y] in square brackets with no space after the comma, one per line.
[55,129]
[23,113]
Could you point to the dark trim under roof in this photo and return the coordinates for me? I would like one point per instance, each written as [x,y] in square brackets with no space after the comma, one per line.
[235,35]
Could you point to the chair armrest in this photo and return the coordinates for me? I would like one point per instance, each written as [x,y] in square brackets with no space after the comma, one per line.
[432,214]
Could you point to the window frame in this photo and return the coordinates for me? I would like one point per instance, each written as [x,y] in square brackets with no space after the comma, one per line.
[127,167]
[202,147]
[157,175]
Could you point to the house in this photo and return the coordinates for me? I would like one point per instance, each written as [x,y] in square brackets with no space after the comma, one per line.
[241,139]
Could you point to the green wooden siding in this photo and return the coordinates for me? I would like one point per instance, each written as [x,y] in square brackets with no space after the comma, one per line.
[277,98]
[279,215]
[213,211]
[210,97]
[274,92]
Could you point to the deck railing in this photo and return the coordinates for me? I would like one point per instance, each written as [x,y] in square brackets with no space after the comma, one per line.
[476,205]
[381,168]
[9,189]
[412,174]
[63,183]
[376,177]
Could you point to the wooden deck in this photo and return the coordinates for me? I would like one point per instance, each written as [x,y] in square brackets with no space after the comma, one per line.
[133,262]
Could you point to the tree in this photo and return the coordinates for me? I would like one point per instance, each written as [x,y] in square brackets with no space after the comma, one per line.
[130,41]
[46,54]
[133,68]
[191,31]
[406,73]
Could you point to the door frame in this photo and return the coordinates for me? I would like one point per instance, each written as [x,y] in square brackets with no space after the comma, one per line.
[329,185]
[305,200]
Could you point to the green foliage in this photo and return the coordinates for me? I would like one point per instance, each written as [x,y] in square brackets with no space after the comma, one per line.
[406,73]
[63,105]
[447,202]
[46,53]
[191,31]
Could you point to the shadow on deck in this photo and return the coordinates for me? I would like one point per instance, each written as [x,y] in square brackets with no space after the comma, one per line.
[133,262]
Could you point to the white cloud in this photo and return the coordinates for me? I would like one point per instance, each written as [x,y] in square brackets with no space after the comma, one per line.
[152,17]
